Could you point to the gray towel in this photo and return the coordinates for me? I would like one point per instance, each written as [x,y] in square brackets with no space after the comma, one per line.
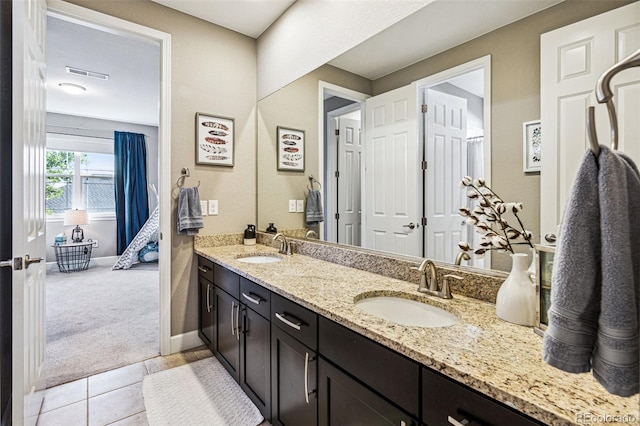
[314,207]
[593,318]
[189,213]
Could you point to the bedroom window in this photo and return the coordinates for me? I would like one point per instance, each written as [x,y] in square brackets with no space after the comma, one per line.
[79,177]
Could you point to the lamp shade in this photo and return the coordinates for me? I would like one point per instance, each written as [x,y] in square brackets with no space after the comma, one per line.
[76,217]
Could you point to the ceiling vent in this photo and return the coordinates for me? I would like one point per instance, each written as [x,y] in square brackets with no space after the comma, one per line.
[85,73]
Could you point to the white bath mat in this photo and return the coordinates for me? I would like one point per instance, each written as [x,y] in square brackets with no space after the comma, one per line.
[200,393]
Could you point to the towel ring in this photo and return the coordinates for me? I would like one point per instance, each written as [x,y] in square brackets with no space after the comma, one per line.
[313,180]
[184,174]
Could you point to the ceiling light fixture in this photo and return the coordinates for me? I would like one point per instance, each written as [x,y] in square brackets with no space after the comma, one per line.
[73,89]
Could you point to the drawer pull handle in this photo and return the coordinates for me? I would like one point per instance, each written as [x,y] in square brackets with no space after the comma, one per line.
[307,358]
[233,329]
[289,323]
[202,269]
[455,422]
[209,306]
[237,321]
[252,299]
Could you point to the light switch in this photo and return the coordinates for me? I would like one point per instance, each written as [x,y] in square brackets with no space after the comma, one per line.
[203,207]
[292,206]
[300,206]
[213,207]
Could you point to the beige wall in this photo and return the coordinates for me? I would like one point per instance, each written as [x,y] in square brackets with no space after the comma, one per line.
[213,70]
[515,97]
[295,106]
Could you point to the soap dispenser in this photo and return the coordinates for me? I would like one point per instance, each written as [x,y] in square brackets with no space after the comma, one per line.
[250,235]
[271,229]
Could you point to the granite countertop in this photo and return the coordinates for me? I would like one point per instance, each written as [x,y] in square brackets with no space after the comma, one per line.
[496,358]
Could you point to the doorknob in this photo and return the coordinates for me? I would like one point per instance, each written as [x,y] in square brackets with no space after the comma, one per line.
[551,238]
[15,263]
[29,260]
[410,225]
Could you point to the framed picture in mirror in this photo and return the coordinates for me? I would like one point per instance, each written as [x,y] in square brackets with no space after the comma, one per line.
[290,149]
[532,146]
[214,140]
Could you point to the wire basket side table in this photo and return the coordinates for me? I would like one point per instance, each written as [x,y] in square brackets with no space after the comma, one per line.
[73,257]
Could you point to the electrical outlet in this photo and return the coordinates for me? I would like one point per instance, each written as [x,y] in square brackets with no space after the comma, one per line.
[203,207]
[213,207]
[292,206]
[300,206]
[95,242]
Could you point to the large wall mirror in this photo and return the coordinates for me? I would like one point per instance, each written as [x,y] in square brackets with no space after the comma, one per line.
[369,171]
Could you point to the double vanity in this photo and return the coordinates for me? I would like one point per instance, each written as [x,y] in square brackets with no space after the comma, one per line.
[315,342]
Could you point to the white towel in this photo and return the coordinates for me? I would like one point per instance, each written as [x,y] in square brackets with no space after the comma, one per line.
[595,295]
[189,213]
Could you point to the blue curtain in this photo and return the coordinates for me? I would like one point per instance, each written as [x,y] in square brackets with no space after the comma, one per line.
[130,176]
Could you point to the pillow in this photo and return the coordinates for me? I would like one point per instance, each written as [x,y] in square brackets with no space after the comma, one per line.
[149,253]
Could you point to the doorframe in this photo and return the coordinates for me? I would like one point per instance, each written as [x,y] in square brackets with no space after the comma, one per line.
[125,28]
[423,84]
[325,88]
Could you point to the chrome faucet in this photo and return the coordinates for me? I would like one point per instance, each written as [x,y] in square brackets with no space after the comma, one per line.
[285,245]
[429,281]
[311,234]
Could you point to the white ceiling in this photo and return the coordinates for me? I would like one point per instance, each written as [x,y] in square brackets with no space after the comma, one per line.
[131,93]
[248,17]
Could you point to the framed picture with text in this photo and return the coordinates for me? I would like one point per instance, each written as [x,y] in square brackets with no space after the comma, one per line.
[531,146]
[290,149]
[214,140]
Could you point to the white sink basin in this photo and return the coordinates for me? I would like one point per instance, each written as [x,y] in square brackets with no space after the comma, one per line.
[259,258]
[406,312]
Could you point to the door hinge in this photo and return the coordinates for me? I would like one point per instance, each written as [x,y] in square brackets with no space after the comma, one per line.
[423,221]
[424,109]
[423,165]
[15,263]
[337,216]
[337,174]
[337,132]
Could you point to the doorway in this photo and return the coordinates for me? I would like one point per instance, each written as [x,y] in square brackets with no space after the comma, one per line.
[66,125]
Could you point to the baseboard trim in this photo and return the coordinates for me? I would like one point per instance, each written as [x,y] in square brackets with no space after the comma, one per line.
[185,341]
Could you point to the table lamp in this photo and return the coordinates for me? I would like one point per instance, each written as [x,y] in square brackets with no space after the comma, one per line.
[76,217]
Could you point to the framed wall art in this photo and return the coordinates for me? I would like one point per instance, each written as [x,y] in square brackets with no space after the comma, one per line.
[290,149]
[532,146]
[214,140]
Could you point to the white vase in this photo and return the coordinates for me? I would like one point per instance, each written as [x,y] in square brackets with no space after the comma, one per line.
[532,271]
[516,298]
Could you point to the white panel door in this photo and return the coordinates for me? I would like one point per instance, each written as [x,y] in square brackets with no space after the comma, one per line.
[29,79]
[446,155]
[572,59]
[350,168]
[391,190]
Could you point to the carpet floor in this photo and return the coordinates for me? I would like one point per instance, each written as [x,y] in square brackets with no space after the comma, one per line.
[100,319]
[207,395]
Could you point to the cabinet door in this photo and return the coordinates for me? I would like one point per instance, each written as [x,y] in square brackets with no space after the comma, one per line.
[205,312]
[293,381]
[345,402]
[255,363]
[227,339]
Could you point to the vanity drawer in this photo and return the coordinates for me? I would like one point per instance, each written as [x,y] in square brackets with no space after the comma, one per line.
[386,371]
[297,321]
[442,397]
[227,280]
[205,268]
[255,297]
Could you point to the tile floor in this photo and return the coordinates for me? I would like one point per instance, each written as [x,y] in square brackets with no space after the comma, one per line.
[110,398]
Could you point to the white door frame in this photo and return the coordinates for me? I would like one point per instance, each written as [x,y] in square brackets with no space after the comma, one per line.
[325,88]
[119,26]
[483,63]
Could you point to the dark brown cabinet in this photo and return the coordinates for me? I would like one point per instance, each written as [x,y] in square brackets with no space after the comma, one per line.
[227,331]
[205,313]
[344,401]
[294,342]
